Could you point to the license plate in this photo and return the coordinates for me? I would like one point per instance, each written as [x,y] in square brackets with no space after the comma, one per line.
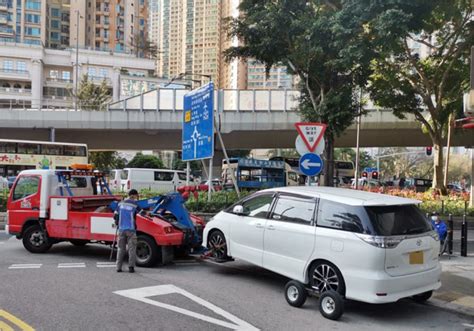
[416,257]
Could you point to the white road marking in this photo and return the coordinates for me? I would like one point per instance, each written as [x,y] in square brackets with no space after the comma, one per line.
[142,294]
[25,266]
[72,265]
[106,264]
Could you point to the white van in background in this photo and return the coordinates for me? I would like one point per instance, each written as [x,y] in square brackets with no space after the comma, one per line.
[115,179]
[160,180]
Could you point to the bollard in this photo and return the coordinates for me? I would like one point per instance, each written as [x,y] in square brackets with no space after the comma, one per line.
[464,236]
[450,234]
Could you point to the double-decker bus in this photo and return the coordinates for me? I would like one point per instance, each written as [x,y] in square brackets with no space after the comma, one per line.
[18,155]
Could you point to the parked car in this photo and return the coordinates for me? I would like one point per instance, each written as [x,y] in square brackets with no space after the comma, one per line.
[366,246]
[456,188]
[216,184]
[115,179]
[160,180]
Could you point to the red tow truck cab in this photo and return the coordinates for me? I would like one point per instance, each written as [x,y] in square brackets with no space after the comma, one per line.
[43,210]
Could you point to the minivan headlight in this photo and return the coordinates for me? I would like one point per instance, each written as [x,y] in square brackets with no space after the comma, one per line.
[381,242]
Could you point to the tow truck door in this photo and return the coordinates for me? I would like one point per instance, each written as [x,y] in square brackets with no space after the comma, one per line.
[24,201]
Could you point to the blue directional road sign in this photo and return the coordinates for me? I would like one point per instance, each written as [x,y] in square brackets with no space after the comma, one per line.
[311,164]
[198,124]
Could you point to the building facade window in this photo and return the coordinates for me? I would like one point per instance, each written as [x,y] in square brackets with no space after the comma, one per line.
[66,75]
[55,36]
[91,72]
[33,4]
[103,72]
[55,24]
[55,12]
[29,31]
[7,65]
[33,18]
[21,66]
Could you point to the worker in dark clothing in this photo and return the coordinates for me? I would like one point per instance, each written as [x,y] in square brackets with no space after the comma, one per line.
[125,219]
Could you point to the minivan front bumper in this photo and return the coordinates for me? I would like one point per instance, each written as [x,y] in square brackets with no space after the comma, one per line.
[383,288]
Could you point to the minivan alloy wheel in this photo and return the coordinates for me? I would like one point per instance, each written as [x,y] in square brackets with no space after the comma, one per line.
[325,278]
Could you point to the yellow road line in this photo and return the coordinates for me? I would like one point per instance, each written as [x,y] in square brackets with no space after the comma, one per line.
[16,321]
[5,327]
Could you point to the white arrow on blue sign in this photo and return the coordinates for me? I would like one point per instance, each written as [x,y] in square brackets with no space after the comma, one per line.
[311,164]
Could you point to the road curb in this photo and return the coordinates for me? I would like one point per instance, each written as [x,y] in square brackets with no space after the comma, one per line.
[455,308]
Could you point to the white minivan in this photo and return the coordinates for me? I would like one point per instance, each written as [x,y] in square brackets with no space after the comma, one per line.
[115,179]
[366,246]
[160,180]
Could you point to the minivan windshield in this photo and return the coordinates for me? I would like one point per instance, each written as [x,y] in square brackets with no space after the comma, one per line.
[397,220]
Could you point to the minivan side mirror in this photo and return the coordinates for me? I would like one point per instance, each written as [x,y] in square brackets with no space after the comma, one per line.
[238,210]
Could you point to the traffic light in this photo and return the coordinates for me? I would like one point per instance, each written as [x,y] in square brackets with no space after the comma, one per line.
[429,151]
[375,175]
[364,174]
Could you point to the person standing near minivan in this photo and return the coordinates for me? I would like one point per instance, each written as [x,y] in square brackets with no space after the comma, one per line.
[125,219]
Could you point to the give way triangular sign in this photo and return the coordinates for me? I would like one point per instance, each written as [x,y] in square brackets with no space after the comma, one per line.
[311,133]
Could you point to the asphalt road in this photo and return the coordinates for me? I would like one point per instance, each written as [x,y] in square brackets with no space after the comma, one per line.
[72,288]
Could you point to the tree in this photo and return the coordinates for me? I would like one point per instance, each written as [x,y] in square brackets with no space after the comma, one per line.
[404,164]
[428,85]
[106,161]
[323,43]
[143,47]
[349,154]
[145,161]
[285,152]
[238,153]
[92,96]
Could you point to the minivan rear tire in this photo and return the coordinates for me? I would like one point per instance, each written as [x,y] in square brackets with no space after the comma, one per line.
[325,270]
[422,297]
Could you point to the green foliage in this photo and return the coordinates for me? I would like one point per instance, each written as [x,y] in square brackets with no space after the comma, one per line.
[322,42]
[410,82]
[349,154]
[219,201]
[179,164]
[3,200]
[145,161]
[107,160]
[238,153]
[92,96]
[285,152]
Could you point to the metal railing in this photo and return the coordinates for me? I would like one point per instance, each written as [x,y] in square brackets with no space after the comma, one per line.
[13,90]
[224,100]
[58,80]
[14,71]
[48,103]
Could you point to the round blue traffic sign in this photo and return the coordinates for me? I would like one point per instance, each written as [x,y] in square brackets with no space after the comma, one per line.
[311,164]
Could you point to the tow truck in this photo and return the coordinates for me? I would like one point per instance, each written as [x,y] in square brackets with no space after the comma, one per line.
[46,207]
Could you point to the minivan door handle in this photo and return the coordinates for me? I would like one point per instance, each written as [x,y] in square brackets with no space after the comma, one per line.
[259,225]
[270,227]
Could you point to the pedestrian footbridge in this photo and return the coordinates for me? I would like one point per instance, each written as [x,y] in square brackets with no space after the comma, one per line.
[247,119]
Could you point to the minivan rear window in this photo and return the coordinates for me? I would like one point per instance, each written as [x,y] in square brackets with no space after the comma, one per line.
[398,220]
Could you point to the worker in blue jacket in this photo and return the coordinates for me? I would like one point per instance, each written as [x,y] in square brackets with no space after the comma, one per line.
[439,225]
[125,219]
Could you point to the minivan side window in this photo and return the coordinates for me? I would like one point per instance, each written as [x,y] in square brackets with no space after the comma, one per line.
[25,187]
[182,176]
[258,206]
[294,209]
[163,176]
[339,216]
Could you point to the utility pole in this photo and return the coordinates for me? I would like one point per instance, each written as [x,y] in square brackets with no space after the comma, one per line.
[77,61]
[356,174]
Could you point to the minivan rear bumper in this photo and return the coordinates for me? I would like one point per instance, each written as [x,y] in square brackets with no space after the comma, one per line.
[383,288]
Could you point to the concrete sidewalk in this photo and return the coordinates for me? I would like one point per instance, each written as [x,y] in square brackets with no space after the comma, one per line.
[457,289]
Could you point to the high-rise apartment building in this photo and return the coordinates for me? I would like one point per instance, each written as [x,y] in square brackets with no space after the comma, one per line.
[277,78]
[23,21]
[192,39]
[57,23]
[154,19]
[110,25]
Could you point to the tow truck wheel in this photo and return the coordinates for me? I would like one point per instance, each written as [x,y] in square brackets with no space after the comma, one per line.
[34,239]
[79,242]
[147,251]
[295,293]
[331,305]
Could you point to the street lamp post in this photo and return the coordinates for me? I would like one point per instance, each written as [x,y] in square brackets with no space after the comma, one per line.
[77,60]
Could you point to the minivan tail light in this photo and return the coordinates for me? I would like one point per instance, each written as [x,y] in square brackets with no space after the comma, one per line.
[381,242]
